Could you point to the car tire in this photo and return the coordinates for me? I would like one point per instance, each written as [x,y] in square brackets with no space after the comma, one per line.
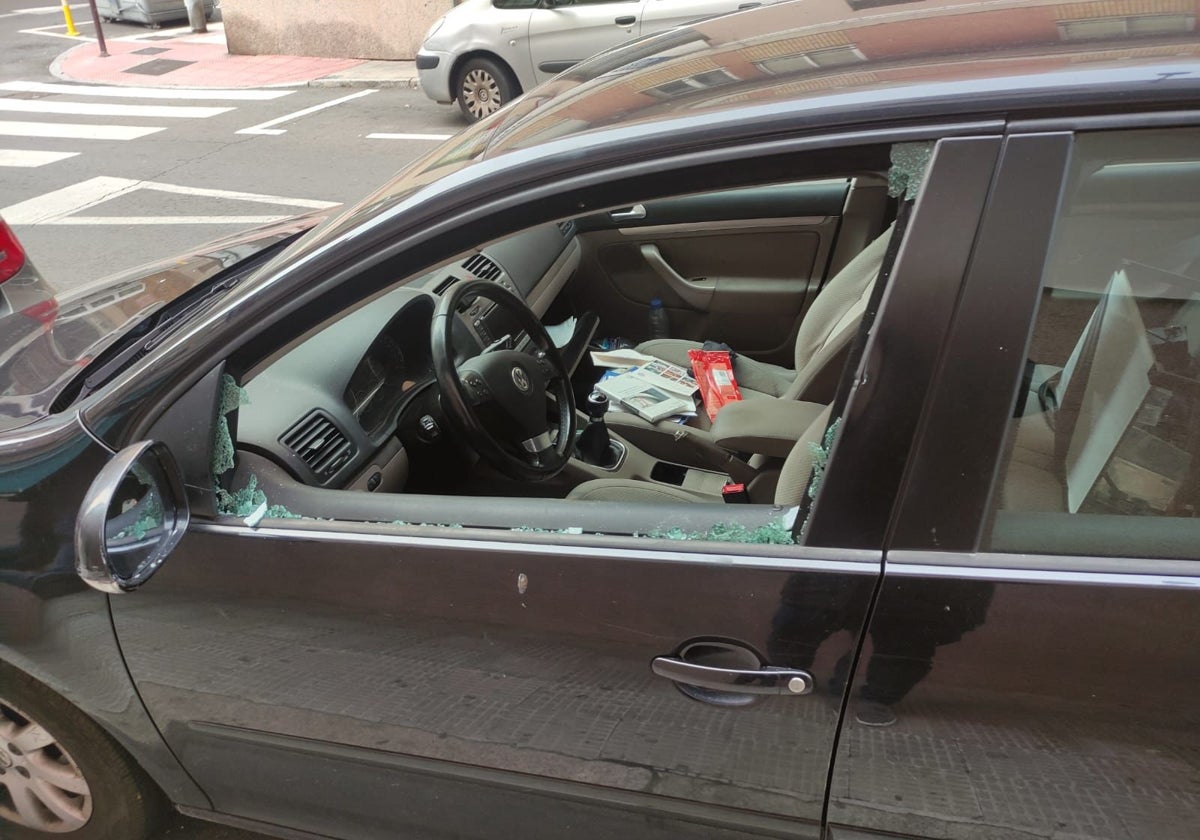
[70,762]
[483,86]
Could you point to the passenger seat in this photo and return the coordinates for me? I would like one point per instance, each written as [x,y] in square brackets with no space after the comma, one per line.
[827,329]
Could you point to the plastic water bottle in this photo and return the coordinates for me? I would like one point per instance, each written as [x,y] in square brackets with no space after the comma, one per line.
[659,327]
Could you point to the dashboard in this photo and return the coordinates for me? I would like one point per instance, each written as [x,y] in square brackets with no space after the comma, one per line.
[329,405]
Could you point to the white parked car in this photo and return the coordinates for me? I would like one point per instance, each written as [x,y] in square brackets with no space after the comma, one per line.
[484,53]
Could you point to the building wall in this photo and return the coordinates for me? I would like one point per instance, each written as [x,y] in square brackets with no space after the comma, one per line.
[390,29]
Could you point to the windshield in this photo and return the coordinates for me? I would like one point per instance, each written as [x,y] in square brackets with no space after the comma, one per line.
[46,348]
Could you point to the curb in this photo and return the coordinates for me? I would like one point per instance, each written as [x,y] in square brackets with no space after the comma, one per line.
[327,82]
[331,81]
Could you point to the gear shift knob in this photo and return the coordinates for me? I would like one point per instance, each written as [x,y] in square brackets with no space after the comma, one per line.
[597,404]
[593,444]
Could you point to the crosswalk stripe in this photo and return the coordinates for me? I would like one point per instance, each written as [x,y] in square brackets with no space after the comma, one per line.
[64,206]
[76,131]
[30,158]
[141,92]
[93,109]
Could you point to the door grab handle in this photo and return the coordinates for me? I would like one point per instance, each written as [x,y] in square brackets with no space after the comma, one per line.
[625,20]
[767,680]
[637,211]
[695,293]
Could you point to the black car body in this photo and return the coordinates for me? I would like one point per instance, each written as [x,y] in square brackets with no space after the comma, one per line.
[972,614]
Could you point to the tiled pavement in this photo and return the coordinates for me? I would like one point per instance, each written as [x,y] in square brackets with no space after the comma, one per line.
[179,58]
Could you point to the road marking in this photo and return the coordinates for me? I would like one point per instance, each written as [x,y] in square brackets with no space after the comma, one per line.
[40,10]
[76,131]
[45,30]
[29,158]
[384,136]
[45,10]
[265,128]
[60,206]
[96,109]
[140,92]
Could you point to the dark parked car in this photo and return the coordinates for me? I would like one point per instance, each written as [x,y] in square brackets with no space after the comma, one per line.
[384,590]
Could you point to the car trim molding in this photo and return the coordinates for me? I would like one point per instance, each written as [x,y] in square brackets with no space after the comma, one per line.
[813,559]
[1026,568]
[1106,122]
[87,431]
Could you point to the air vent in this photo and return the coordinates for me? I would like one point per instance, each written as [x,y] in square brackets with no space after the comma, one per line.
[320,444]
[482,267]
[567,228]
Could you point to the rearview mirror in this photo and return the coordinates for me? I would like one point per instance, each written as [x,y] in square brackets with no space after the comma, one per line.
[134,513]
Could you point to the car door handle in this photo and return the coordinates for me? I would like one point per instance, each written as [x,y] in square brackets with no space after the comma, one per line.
[696,293]
[637,211]
[748,6]
[765,680]
[625,20]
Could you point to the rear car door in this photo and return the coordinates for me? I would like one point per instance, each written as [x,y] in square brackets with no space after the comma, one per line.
[1030,668]
[562,35]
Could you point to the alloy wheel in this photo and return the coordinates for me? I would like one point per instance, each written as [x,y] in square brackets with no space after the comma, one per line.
[41,786]
[481,93]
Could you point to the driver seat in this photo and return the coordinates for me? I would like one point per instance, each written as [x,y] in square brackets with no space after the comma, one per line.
[793,480]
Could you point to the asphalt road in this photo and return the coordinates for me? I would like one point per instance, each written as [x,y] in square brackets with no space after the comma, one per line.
[112,204]
[168,191]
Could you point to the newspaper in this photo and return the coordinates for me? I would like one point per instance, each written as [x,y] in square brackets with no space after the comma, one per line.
[653,391]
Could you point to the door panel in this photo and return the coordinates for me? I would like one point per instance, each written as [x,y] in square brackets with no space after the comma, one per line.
[1045,686]
[1042,704]
[278,661]
[753,258]
[561,36]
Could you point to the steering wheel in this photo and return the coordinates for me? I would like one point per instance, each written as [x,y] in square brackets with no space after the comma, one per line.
[497,399]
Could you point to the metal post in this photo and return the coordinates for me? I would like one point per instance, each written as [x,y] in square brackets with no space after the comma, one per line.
[71,30]
[195,10]
[99,30]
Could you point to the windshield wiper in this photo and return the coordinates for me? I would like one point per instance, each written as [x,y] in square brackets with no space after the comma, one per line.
[157,329]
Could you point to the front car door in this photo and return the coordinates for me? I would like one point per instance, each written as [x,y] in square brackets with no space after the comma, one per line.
[1032,660]
[364,677]
[562,35]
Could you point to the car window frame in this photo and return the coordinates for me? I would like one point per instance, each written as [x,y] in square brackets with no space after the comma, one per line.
[946,503]
[367,273]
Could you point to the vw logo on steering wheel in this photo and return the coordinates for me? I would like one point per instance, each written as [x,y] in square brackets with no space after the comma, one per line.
[521,379]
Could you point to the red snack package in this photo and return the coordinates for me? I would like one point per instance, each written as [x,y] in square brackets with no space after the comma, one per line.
[713,370]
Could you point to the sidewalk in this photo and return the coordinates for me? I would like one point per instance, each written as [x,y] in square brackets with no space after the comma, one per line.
[177,58]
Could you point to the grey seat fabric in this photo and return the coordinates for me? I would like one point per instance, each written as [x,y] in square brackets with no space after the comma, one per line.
[793,480]
[828,327]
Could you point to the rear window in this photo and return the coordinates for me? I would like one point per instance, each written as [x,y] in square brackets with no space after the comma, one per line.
[1104,454]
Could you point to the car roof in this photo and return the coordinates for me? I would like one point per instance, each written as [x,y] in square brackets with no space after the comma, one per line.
[819,65]
[835,55]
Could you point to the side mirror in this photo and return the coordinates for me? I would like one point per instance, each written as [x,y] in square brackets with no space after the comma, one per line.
[134,513]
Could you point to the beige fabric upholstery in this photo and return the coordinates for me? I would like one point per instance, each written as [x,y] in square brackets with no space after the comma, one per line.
[763,428]
[759,378]
[1032,482]
[797,469]
[628,490]
[828,327]
[793,482]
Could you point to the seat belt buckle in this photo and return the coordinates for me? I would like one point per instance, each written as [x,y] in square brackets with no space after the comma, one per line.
[735,494]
